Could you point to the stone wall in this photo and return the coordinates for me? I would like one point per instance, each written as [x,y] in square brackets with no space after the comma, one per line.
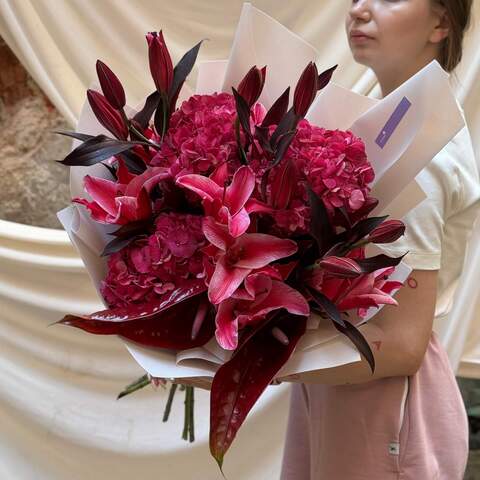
[33,187]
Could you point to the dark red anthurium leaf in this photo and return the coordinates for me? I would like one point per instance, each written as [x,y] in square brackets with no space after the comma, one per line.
[111,86]
[163,324]
[238,384]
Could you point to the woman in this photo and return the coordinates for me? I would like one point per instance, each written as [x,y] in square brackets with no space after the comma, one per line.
[407,421]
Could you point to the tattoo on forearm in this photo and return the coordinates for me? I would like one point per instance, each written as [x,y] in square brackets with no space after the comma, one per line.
[412,283]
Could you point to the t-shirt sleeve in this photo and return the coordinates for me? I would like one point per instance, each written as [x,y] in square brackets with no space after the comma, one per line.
[452,186]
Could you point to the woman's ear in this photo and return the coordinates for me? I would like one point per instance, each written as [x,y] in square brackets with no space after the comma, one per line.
[441,28]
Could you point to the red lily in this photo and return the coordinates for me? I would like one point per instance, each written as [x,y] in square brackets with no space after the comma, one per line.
[237,257]
[226,205]
[107,115]
[161,66]
[261,295]
[119,203]
[111,86]
[252,84]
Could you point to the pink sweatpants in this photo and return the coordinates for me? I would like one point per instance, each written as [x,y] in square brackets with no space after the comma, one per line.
[396,428]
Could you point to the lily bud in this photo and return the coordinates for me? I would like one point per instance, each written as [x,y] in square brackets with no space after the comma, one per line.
[344,267]
[111,86]
[305,90]
[387,232]
[283,185]
[107,115]
[161,66]
[251,86]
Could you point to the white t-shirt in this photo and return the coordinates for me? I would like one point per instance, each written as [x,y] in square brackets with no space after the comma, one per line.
[439,227]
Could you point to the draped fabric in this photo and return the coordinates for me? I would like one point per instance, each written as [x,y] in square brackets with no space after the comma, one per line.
[58,412]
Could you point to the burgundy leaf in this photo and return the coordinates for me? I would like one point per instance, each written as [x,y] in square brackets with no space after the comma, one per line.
[359,341]
[243,111]
[238,384]
[145,114]
[96,149]
[320,227]
[371,264]
[181,72]
[327,306]
[277,110]
[325,77]
[166,323]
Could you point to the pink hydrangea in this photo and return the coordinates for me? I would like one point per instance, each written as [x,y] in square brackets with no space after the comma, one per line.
[334,163]
[154,265]
[200,135]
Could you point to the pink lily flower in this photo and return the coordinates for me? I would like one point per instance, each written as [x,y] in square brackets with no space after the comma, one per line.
[261,295]
[226,205]
[237,257]
[369,290]
[119,203]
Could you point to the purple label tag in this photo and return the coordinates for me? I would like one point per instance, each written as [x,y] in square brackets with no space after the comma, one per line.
[392,122]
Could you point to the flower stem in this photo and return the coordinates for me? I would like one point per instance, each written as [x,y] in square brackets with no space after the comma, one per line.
[191,421]
[136,385]
[166,413]
[186,417]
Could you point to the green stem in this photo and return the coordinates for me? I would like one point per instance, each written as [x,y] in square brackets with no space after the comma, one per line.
[171,394]
[134,386]
[186,417]
[191,422]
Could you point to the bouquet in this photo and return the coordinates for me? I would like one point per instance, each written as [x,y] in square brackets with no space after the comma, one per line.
[232,225]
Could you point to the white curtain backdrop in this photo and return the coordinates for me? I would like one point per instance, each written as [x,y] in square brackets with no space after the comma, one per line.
[58,412]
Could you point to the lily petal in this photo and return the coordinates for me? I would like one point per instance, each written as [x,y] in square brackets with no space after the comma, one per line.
[227,325]
[225,280]
[259,249]
[205,187]
[216,233]
[103,192]
[238,223]
[239,191]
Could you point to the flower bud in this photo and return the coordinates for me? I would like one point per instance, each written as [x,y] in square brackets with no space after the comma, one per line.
[305,90]
[251,86]
[387,232]
[283,185]
[107,115]
[344,267]
[111,86]
[161,66]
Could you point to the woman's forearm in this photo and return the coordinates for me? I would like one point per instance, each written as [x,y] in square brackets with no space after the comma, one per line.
[390,359]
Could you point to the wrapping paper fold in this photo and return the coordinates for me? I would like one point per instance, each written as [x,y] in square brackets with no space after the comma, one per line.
[402,133]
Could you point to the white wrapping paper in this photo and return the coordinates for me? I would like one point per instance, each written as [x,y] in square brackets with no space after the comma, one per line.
[425,117]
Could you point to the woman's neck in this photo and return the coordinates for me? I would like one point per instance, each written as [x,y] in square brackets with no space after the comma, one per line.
[390,79]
